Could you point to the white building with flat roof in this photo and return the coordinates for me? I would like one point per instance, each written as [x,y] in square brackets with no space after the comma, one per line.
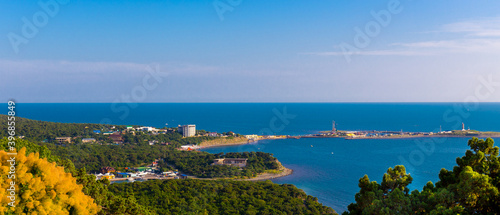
[146,129]
[252,136]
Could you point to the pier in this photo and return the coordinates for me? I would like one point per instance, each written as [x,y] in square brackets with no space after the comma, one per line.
[374,134]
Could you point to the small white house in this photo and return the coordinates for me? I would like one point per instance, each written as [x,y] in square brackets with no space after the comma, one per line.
[146,129]
[213,134]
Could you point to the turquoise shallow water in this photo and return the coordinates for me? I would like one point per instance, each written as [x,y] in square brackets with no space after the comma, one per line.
[333,178]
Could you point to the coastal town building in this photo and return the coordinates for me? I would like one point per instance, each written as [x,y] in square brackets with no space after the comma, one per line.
[63,140]
[252,136]
[146,129]
[239,162]
[189,147]
[108,176]
[213,134]
[187,130]
[123,175]
[107,169]
[88,140]
[116,138]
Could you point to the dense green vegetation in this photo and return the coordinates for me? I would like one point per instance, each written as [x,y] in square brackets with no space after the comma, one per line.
[472,187]
[136,150]
[35,130]
[98,190]
[93,157]
[199,163]
[186,196]
[174,139]
[220,197]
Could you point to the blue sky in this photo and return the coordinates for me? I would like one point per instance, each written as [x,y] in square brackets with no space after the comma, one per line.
[249,51]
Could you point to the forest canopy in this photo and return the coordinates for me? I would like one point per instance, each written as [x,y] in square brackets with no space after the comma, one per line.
[221,197]
[472,187]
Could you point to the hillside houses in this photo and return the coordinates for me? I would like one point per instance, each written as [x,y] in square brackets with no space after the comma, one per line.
[116,138]
[239,162]
[62,140]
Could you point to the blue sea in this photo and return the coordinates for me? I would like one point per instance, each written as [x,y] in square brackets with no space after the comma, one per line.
[328,168]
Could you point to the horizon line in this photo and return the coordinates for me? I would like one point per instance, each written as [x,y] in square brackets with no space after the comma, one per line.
[362,102]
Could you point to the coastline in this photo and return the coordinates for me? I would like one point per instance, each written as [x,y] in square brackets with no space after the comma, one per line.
[214,144]
[286,171]
[423,136]
[220,143]
[261,177]
[268,176]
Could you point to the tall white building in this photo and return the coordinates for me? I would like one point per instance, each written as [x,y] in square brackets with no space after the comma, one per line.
[187,130]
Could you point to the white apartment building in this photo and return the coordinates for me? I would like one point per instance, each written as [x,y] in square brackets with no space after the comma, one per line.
[188,130]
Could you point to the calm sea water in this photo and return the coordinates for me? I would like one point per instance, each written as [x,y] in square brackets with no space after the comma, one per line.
[326,168]
[329,168]
[295,118]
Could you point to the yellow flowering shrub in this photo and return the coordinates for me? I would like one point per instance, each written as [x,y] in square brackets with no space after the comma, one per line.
[41,187]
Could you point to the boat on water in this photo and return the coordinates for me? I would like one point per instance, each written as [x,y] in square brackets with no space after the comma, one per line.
[130,179]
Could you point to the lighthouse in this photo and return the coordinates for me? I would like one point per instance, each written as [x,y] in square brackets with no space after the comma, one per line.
[334,130]
[463,126]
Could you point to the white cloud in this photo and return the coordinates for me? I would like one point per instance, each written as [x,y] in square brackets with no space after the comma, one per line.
[486,27]
[40,66]
[477,36]
[474,36]
[456,46]
[371,53]
[97,68]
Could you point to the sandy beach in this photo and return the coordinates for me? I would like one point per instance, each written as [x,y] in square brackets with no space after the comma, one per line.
[224,142]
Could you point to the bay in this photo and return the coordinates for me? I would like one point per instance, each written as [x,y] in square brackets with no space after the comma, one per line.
[329,168]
